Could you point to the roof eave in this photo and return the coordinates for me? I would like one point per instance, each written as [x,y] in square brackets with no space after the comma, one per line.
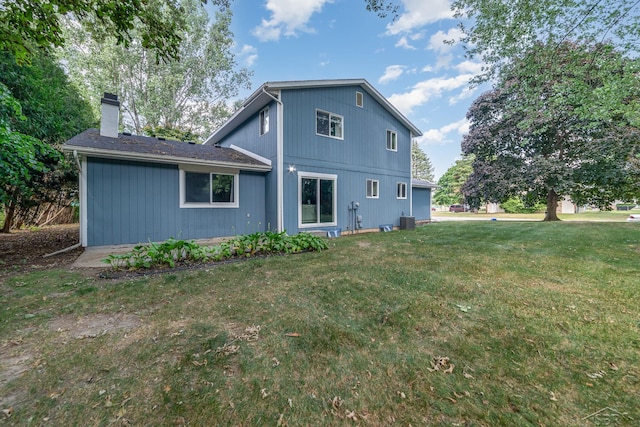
[127,155]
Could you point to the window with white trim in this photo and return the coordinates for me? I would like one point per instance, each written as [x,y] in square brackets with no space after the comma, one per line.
[392,141]
[372,188]
[317,200]
[264,121]
[359,99]
[329,124]
[402,190]
[207,189]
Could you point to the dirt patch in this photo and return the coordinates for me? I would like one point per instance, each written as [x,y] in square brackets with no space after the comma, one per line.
[93,326]
[23,250]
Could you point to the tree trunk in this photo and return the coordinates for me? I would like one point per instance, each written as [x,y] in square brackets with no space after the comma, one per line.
[552,206]
[9,211]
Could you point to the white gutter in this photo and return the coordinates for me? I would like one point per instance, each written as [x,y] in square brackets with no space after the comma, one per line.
[279,158]
[410,189]
[125,155]
[82,187]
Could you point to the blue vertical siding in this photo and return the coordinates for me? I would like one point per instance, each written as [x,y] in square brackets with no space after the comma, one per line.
[360,155]
[247,136]
[132,202]
[422,203]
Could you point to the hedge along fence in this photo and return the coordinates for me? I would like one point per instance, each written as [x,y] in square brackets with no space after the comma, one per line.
[172,251]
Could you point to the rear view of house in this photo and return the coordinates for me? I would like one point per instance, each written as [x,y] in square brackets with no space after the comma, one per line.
[298,156]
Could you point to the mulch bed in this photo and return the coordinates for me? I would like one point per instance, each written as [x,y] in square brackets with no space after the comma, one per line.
[23,250]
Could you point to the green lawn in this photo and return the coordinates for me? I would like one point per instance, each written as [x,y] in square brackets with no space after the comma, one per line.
[456,323]
[607,216]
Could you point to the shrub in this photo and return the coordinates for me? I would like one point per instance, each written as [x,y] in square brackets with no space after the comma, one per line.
[172,251]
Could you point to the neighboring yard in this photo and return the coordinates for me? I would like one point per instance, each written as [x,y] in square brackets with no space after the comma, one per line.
[457,323]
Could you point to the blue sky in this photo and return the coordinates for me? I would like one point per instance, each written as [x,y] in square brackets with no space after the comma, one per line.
[405,59]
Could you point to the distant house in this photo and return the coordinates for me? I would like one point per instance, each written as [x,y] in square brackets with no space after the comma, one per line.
[298,156]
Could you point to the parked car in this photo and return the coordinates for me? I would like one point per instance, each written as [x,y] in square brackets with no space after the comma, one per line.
[634,217]
[457,208]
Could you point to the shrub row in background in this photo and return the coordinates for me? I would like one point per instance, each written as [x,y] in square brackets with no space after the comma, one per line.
[172,251]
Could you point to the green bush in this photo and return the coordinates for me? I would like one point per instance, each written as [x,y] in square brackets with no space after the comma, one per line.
[172,252]
[516,205]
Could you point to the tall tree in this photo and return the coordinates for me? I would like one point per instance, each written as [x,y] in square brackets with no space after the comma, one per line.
[497,31]
[27,26]
[42,109]
[554,127]
[186,97]
[22,158]
[421,167]
[450,184]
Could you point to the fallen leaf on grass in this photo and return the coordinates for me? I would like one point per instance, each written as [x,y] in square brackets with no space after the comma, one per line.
[596,375]
[351,415]
[463,308]
[276,362]
[552,396]
[292,334]
[613,366]
[263,393]
[337,402]
[8,412]
[441,363]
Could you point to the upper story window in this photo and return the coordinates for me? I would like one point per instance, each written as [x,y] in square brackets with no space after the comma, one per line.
[208,189]
[402,190]
[359,99]
[264,121]
[392,141]
[372,189]
[329,124]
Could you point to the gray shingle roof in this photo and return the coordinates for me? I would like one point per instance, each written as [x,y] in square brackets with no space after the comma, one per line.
[138,147]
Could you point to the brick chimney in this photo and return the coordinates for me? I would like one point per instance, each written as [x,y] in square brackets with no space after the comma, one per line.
[110,111]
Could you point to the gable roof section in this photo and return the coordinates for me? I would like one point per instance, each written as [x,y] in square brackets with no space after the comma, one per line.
[263,96]
[144,148]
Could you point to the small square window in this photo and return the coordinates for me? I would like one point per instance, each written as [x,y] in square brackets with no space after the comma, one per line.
[359,99]
[372,189]
[392,141]
[329,124]
[264,121]
[402,190]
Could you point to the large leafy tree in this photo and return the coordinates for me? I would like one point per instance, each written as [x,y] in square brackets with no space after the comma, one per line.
[498,31]
[22,158]
[27,26]
[450,184]
[182,98]
[562,121]
[41,109]
[421,166]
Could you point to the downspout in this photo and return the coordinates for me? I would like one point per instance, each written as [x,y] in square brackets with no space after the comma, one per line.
[82,199]
[279,159]
[82,230]
[410,189]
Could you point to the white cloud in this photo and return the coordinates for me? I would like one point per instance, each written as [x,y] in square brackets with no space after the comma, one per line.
[424,91]
[466,93]
[418,13]
[443,135]
[248,55]
[391,73]
[469,67]
[404,43]
[437,41]
[288,17]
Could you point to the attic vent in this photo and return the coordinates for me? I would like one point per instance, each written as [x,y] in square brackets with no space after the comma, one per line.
[161,138]
[126,133]
[191,142]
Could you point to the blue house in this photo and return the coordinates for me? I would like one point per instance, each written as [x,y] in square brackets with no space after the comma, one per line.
[297,156]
